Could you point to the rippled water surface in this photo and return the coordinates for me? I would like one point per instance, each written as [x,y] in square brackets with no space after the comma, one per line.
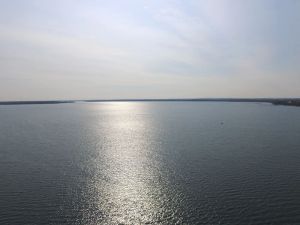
[150,163]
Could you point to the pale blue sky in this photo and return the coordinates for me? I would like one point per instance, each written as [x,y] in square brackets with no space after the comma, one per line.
[84,49]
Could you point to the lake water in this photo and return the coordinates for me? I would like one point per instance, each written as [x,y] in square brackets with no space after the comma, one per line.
[150,163]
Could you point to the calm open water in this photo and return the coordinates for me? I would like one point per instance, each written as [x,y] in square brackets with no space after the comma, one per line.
[150,163]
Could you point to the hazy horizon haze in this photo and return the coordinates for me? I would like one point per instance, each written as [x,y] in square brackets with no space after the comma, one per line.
[59,50]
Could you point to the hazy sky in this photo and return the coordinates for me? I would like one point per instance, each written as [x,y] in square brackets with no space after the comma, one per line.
[93,49]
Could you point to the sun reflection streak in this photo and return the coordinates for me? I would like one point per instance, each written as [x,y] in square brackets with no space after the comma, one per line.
[131,166]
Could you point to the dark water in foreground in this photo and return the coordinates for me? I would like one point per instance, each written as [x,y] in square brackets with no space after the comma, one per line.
[155,163]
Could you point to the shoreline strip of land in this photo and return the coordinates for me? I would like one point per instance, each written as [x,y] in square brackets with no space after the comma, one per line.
[274,101]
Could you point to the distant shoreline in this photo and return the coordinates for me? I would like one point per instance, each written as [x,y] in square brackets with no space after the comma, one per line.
[274,101]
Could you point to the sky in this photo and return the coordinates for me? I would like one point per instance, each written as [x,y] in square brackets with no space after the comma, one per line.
[97,49]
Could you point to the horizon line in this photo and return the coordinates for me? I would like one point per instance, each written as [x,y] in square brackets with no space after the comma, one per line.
[273,100]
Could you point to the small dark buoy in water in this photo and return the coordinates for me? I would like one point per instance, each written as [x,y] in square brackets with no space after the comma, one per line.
[222,123]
